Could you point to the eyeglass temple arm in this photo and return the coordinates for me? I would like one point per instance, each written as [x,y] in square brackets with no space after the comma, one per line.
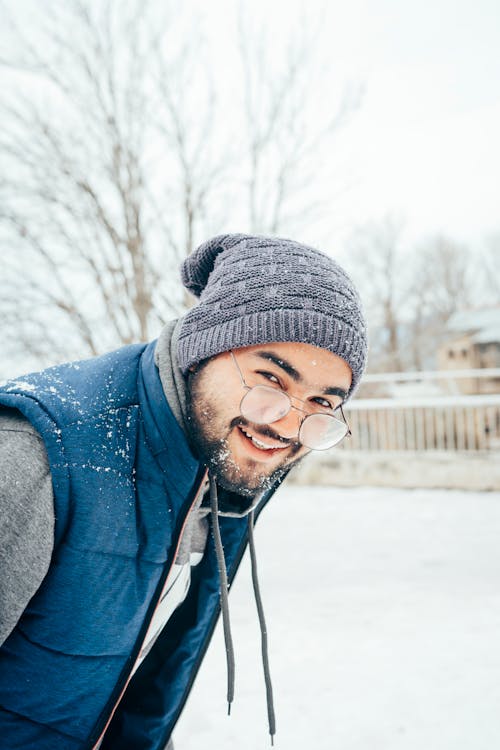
[239,371]
[345,420]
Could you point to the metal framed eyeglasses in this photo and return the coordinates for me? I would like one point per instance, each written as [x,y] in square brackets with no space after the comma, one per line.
[263,404]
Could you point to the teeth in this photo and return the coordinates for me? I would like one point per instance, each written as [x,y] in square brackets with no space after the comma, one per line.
[258,443]
[261,445]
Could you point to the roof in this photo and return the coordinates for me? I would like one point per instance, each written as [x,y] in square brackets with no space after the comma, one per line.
[487,336]
[483,324]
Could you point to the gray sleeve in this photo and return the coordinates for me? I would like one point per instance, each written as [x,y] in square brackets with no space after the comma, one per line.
[26,516]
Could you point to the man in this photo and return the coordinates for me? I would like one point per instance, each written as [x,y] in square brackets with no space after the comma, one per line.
[129,484]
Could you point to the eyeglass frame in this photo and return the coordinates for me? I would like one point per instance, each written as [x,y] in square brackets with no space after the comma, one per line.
[249,388]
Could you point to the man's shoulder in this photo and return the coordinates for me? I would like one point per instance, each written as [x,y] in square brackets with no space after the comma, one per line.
[12,421]
[26,516]
[21,445]
[74,389]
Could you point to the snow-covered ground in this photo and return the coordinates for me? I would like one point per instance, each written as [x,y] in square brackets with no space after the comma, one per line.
[383,611]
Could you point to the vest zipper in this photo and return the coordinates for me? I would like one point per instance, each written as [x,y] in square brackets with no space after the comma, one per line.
[161,586]
[201,655]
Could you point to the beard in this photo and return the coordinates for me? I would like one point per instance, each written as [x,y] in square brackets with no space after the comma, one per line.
[209,435]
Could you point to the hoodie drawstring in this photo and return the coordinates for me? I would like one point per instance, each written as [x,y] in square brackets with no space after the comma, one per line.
[214,507]
[219,551]
[263,631]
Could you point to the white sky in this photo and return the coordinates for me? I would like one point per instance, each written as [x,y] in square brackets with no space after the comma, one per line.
[427,140]
[426,143]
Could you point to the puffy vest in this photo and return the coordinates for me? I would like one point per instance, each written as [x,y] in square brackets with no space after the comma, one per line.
[124,480]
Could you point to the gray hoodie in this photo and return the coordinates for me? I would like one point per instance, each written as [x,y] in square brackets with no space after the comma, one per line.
[26,516]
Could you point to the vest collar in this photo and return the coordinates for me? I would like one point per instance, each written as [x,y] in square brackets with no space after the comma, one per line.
[165,437]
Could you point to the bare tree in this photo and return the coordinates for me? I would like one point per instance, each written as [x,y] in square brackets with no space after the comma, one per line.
[116,155]
[92,225]
[441,285]
[442,270]
[410,293]
[377,264]
[284,87]
[486,269]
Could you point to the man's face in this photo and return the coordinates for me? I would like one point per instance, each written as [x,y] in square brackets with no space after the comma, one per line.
[247,457]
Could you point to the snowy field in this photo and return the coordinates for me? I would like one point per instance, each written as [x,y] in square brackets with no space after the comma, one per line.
[383,611]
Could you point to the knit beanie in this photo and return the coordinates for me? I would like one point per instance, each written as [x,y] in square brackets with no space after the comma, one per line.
[257,290]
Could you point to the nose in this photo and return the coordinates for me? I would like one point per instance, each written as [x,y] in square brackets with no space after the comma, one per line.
[289,425]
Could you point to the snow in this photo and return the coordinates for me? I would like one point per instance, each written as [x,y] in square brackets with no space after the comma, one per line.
[487,318]
[14,385]
[383,610]
[487,335]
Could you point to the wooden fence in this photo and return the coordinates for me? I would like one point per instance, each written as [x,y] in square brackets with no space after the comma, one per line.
[428,423]
[468,423]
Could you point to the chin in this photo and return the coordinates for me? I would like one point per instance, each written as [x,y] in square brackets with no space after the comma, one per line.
[235,480]
[250,483]
[231,477]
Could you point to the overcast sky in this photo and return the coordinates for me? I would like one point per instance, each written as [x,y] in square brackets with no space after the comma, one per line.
[425,144]
[427,139]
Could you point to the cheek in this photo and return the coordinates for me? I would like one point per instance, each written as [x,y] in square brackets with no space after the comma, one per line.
[215,413]
[215,401]
[222,405]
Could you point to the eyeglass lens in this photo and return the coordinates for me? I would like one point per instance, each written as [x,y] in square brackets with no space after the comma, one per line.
[263,405]
[321,431]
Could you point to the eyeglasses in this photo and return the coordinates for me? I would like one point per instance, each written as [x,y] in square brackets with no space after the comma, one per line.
[262,404]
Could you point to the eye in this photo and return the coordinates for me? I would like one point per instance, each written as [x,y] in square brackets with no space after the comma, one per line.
[324,403]
[269,376]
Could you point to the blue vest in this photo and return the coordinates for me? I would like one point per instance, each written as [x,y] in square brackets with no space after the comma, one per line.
[124,479]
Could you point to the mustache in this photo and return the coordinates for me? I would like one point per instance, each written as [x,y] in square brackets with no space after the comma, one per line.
[262,430]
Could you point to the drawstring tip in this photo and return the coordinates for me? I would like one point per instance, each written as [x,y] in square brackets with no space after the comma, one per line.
[272,740]
[229,709]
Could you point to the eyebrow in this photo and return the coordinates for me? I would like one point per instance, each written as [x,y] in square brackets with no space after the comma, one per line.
[295,374]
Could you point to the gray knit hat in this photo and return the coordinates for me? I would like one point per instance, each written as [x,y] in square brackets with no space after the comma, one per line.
[256,290]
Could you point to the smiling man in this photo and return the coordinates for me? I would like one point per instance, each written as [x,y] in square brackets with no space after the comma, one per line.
[260,423]
[130,484]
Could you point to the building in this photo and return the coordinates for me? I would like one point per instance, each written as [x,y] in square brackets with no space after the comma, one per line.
[473,342]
